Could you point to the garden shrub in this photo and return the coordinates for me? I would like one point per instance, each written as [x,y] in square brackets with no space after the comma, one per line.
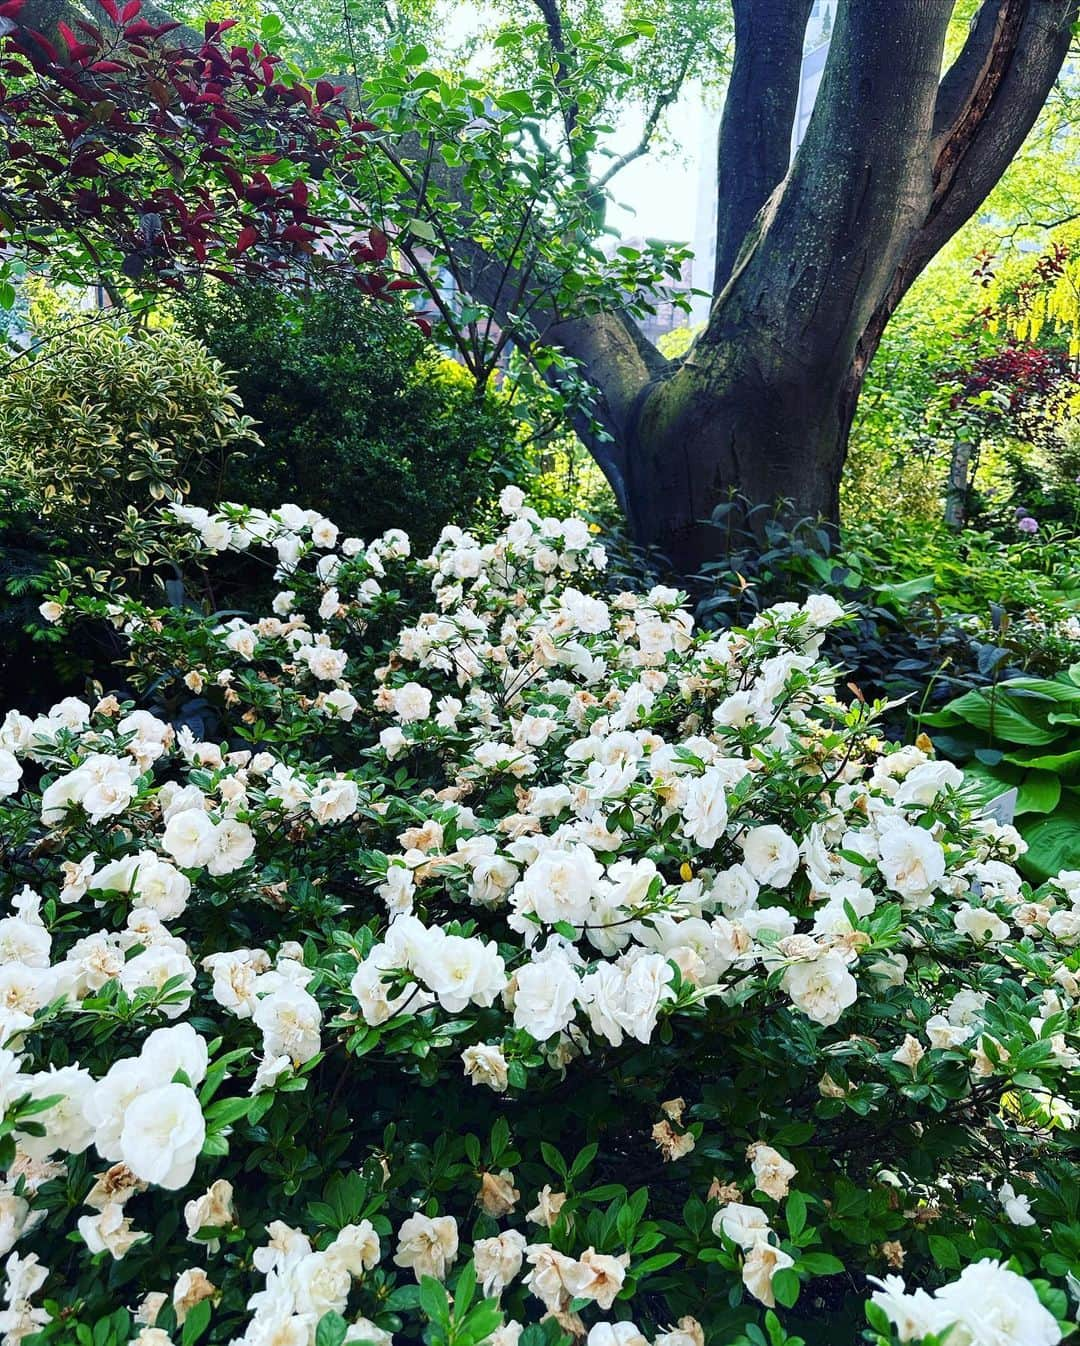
[99,420]
[555,972]
[357,412]
[905,640]
[103,416]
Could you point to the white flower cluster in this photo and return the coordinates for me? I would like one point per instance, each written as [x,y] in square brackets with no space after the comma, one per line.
[303,1284]
[986,1303]
[611,826]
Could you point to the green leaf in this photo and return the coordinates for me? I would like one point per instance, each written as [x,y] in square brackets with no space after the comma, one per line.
[216,1145]
[583,1160]
[464,1290]
[1063,763]
[423,230]
[226,1111]
[433,1300]
[904,591]
[481,1322]
[196,1323]
[943,1252]
[793,1133]
[878,1319]
[655,1263]
[404,1297]
[775,1329]
[553,1158]
[795,1211]
[1001,716]
[1061,689]
[331,1329]
[1053,843]
[785,1286]
[821,1264]
[516,100]
[1039,792]
[500,1138]
[7,295]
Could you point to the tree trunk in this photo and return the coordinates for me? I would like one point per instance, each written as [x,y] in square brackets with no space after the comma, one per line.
[956,495]
[764,401]
[893,162]
[765,432]
[754,142]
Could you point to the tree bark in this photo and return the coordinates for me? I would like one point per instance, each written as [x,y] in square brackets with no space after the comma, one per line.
[754,144]
[956,494]
[763,403]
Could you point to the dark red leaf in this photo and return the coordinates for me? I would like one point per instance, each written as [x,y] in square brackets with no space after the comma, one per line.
[40,40]
[70,40]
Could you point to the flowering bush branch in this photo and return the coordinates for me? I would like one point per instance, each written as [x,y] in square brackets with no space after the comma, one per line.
[545,970]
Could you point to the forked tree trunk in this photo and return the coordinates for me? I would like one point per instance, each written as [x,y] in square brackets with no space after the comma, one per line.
[895,159]
[764,401]
[769,431]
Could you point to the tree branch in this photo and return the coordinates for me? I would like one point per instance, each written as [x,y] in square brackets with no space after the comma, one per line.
[754,146]
[977,136]
[663,102]
[824,250]
[553,22]
[620,361]
[971,69]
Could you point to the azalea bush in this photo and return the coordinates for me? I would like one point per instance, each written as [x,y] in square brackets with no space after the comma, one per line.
[512,964]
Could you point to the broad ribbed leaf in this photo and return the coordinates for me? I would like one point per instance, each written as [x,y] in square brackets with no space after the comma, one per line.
[1002,716]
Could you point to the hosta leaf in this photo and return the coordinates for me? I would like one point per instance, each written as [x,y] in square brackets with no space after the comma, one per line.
[1062,763]
[1053,843]
[1039,792]
[1002,717]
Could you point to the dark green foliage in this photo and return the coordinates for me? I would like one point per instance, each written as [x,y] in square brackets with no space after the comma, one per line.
[360,416]
[40,665]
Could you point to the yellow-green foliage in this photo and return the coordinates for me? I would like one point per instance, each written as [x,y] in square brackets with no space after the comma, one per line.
[1053,304]
[105,414]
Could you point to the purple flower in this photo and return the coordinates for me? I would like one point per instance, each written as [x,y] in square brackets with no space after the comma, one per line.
[1028,524]
[1021,512]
